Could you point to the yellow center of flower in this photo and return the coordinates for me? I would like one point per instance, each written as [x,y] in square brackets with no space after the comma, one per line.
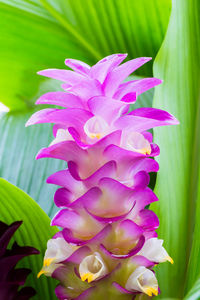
[87,276]
[46,263]
[170,259]
[145,151]
[40,273]
[150,291]
[95,135]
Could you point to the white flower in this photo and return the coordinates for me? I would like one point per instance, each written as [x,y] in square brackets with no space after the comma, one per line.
[61,136]
[92,267]
[154,251]
[143,280]
[135,141]
[57,251]
[96,128]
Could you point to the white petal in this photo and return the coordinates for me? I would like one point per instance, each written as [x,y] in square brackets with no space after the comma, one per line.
[143,280]
[61,136]
[154,251]
[135,141]
[92,267]
[96,128]
[57,251]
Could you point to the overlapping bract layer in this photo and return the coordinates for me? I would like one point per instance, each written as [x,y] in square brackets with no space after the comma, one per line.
[108,244]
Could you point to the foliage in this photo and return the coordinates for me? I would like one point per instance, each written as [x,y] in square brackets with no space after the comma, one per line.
[177,181]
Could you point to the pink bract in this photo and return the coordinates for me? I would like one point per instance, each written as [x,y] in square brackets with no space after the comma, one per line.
[103,195]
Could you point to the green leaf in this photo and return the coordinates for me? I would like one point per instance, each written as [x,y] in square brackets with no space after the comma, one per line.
[41,34]
[132,26]
[18,148]
[178,63]
[194,293]
[35,231]
[30,40]
[193,271]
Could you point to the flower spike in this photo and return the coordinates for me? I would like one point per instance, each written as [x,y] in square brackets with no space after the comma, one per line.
[107,245]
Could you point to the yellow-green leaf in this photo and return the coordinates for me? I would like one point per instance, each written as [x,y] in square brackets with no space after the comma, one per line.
[178,64]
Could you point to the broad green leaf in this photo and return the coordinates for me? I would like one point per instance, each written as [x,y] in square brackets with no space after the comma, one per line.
[18,148]
[35,231]
[193,271]
[178,63]
[41,34]
[30,40]
[194,293]
[135,27]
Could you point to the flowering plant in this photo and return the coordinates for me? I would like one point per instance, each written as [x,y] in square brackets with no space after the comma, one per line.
[108,235]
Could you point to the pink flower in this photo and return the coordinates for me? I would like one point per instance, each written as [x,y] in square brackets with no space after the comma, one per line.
[108,242]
